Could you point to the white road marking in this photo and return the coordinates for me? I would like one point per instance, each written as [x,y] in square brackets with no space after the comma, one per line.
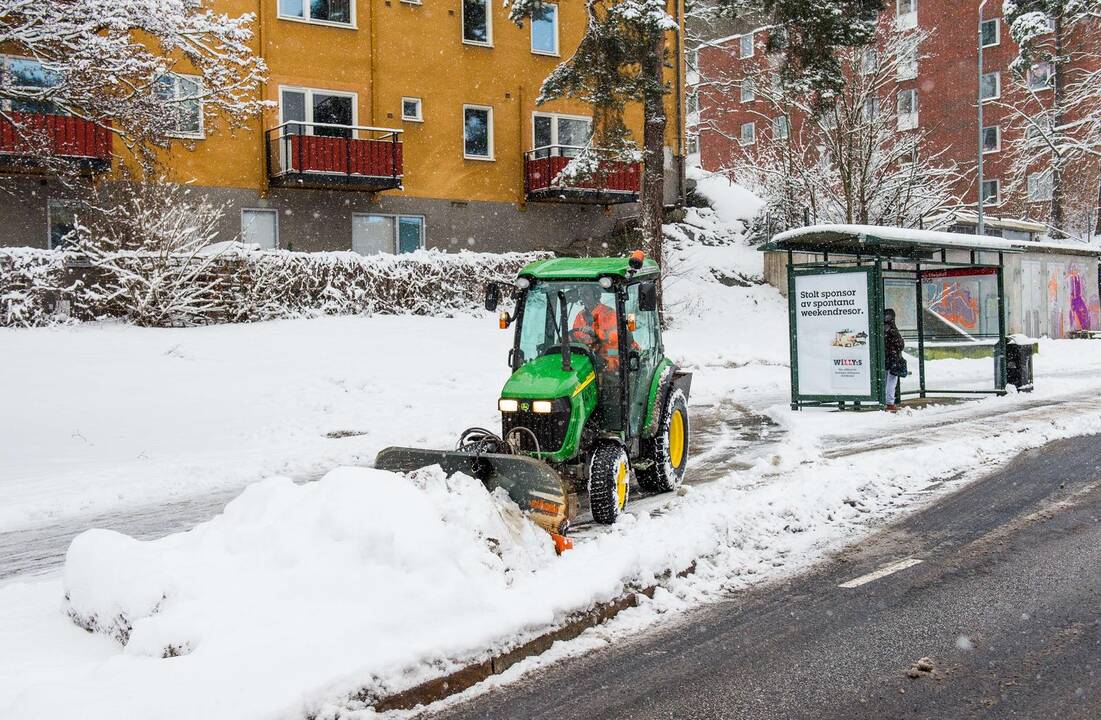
[880,573]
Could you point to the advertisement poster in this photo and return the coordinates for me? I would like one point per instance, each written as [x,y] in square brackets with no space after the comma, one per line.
[833,350]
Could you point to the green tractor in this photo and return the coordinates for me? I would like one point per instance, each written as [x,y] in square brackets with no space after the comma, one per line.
[592,402]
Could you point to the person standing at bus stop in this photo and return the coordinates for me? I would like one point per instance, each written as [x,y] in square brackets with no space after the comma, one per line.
[893,344]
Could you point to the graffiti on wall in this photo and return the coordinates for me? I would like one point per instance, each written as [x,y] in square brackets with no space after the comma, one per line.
[958,303]
[1072,300]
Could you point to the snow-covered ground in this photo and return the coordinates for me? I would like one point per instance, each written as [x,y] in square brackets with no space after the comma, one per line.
[298,596]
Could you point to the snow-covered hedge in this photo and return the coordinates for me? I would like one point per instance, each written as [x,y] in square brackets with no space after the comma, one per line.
[232,283]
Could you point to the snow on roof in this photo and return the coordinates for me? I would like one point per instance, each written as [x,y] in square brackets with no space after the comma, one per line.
[912,238]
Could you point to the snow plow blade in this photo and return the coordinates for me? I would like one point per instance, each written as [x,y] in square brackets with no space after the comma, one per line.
[532,484]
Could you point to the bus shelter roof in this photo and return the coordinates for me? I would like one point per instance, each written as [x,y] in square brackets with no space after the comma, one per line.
[896,242]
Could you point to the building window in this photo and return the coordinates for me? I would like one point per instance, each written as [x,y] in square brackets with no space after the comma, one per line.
[990,87]
[871,108]
[990,191]
[692,143]
[387,234]
[183,93]
[692,60]
[61,220]
[544,29]
[477,28]
[748,133]
[869,61]
[1039,186]
[991,34]
[1039,76]
[477,132]
[554,134]
[781,128]
[907,109]
[29,78]
[991,139]
[411,109]
[691,105]
[322,112]
[746,91]
[337,12]
[906,11]
[260,227]
[907,62]
[745,46]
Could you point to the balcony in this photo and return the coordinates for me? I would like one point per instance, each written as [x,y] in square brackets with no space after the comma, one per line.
[29,141]
[617,181]
[322,155]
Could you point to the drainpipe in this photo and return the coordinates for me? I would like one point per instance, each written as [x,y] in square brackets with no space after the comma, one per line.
[679,17]
[980,228]
[261,39]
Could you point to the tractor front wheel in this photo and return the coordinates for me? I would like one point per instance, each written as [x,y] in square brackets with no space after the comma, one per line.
[609,482]
[668,449]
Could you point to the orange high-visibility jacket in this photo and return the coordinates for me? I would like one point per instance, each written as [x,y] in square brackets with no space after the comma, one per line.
[599,331]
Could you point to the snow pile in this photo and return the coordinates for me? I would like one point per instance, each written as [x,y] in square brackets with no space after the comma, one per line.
[234,283]
[293,586]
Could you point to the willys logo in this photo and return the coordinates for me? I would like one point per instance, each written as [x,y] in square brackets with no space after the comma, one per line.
[848,361]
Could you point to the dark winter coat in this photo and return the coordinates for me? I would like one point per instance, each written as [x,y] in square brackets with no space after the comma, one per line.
[893,344]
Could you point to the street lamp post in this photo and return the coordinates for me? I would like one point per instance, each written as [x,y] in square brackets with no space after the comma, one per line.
[980,229]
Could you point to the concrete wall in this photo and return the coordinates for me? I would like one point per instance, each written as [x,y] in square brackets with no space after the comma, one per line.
[314,220]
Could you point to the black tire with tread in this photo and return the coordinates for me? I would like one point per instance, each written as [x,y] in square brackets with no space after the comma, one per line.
[662,475]
[603,464]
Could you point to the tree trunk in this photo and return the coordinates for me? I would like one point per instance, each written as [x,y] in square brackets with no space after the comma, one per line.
[652,195]
[1056,216]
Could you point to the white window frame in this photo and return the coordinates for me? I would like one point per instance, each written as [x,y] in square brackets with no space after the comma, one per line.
[907,67]
[997,85]
[997,139]
[909,19]
[489,125]
[777,122]
[397,227]
[557,35]
[742,46]
[692,143]
[997,32]
[907,121]
[752,135]
[747,91]
[1050,76]
[420,109]
[353,25]
[309,91]
[869,61]
[489,25]
[199,134]
[272,211]
[1033,182]
[997,192]
[554,126]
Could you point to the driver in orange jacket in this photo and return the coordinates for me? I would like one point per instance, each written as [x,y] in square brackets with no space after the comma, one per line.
[595,326]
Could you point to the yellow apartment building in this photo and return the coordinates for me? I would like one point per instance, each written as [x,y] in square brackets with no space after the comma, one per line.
[396,125]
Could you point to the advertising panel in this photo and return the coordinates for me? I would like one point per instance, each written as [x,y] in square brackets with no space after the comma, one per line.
[833,351]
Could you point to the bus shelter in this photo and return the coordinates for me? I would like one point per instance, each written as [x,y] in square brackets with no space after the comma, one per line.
[947,291]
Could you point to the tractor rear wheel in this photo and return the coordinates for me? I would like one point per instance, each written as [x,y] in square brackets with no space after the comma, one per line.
[668,449]
[609,481]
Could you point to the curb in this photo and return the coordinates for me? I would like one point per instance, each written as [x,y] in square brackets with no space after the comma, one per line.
[453,683]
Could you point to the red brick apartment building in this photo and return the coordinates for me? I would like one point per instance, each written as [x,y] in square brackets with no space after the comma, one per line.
[940,96]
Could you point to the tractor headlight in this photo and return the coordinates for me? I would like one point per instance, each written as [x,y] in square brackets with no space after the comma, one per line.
[523,283]
[605,282]
[542,406]
[507,405]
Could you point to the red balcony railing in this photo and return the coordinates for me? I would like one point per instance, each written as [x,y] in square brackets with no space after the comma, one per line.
[326,155]
[37,136]
[616,181]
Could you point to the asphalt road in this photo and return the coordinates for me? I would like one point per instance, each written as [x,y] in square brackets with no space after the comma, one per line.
[1005,605]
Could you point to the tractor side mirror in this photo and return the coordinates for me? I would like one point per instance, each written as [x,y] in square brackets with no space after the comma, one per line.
[493,296]
[648,297]
[634,361]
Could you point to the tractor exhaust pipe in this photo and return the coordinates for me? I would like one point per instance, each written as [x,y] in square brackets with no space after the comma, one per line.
[564,334]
